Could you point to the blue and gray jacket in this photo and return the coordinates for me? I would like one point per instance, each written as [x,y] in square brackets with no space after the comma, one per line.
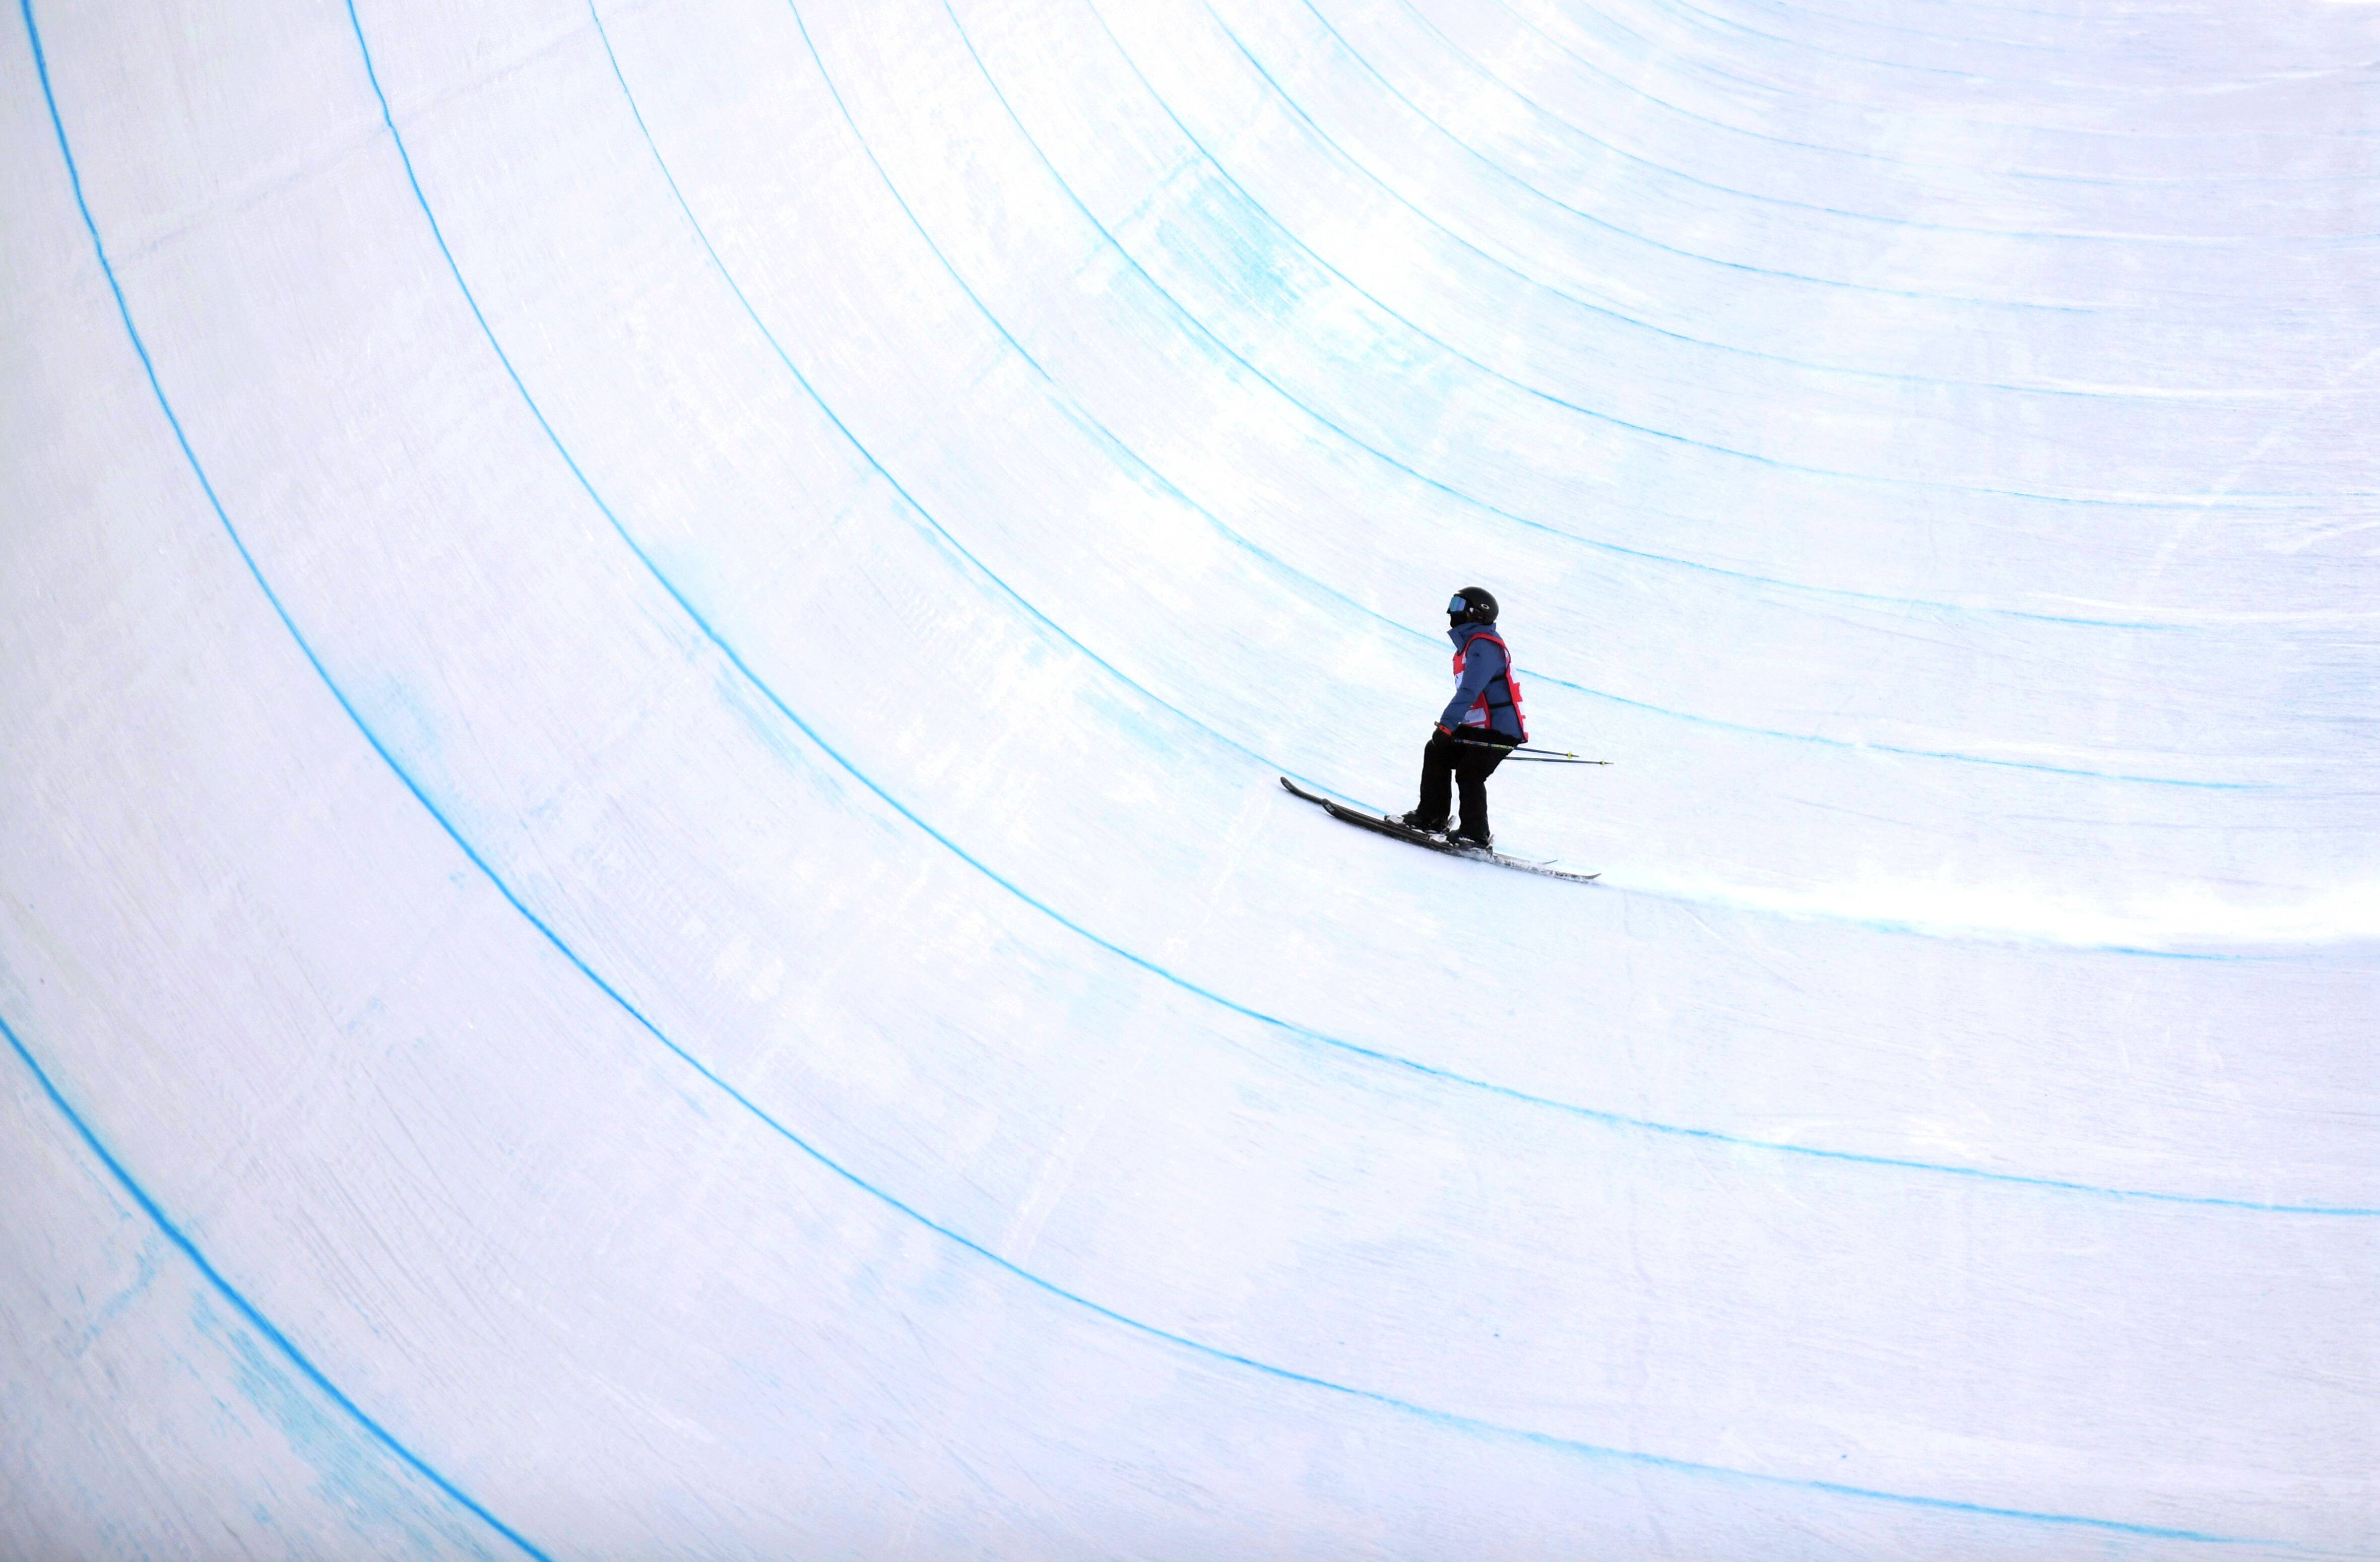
[1486,692]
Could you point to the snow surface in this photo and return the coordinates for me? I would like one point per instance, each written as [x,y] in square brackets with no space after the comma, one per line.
[644,910]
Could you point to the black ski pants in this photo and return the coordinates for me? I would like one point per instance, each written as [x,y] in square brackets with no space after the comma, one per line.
[1467,763]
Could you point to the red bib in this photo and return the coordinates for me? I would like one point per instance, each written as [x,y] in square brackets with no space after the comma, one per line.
[1480,715]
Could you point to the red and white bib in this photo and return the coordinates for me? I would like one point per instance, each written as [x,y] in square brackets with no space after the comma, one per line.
[1481,713]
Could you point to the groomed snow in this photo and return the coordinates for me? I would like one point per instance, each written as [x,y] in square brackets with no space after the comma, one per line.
[645,909]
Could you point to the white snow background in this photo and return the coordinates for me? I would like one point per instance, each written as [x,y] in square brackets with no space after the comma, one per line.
[644,905]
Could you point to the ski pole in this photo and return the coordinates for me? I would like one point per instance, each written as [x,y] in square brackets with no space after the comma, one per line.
[1558,754]
[1551,759]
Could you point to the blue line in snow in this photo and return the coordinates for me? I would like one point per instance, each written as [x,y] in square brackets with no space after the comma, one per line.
[1463,1422]
[223,1288]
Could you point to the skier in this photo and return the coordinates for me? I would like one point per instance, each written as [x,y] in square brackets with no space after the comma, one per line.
[1479,727]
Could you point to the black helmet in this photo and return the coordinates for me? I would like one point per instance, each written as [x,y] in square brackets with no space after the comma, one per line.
[1471,605]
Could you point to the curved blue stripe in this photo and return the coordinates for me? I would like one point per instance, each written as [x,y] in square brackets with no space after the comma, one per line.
[223,1288]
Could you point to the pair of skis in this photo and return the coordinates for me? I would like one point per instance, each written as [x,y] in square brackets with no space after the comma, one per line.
[1422,838]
